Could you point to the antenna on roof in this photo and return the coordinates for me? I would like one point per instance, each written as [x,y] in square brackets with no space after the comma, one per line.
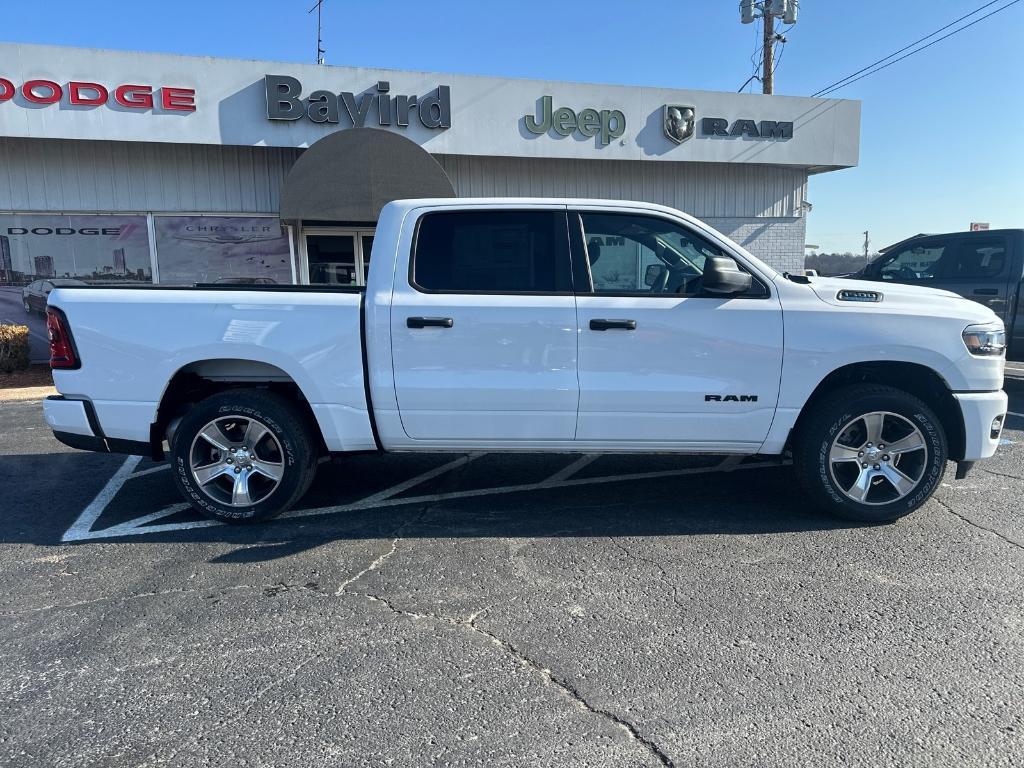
[319,39]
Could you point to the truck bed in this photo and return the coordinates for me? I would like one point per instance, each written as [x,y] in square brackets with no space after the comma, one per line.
[134,343]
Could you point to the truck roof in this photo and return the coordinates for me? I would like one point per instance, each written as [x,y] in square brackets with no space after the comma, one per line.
[979,233]
[465,202]
[399,208]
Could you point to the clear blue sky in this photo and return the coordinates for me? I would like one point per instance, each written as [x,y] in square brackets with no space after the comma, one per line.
[941,141]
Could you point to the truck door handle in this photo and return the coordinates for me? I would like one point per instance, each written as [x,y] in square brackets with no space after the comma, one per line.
[429,322]
[607,325]
[986,291]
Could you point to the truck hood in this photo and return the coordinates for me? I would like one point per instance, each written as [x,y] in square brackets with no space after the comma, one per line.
[915,298]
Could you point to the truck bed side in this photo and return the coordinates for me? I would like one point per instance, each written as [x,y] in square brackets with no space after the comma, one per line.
[136,343]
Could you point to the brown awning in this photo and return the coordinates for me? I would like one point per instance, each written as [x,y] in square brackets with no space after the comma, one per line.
[350,175]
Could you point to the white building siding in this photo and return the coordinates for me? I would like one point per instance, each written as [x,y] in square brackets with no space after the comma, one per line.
[701,189]
[759,206]
[66,175]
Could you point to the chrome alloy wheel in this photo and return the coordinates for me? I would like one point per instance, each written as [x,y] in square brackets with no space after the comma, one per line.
[878,458]
[236,461]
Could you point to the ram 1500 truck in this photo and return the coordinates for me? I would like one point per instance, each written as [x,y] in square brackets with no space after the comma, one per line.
[534,325]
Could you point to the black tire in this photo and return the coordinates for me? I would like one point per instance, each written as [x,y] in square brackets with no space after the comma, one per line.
[830,417]
[290,443]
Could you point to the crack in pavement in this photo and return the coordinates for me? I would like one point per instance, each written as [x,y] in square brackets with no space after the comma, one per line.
[632,731]
[256,697]
[1001,474]
[379,561]
[661,569]
[550,678]
[979,526]
[269,590]
[126,598]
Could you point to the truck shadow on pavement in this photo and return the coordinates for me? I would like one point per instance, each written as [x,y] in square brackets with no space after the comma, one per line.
[414,496]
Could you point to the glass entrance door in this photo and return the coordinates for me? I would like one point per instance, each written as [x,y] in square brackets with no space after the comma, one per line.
[336,256]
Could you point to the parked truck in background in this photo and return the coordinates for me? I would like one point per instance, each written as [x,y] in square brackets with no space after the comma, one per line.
[983,266]
[534,325]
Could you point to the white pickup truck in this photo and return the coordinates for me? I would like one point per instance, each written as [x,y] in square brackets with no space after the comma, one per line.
[534,325]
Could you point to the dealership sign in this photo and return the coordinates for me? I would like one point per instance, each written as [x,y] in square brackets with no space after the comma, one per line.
[765,129]
[285,102]
[607,124]
[82,93]
[678,123]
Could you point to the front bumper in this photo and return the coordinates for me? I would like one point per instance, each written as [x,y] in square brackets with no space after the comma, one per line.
[979,411]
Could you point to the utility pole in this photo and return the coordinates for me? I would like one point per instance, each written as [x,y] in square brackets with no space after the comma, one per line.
[866,241]
[768,72]
[768,11]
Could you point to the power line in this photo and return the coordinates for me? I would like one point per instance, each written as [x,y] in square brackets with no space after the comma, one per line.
[901,50]
[755,66]
[782,40]
[852,78]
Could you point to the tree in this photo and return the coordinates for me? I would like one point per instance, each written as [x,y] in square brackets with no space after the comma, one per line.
[835,263]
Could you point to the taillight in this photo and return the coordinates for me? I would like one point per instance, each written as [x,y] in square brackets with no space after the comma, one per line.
[62,347]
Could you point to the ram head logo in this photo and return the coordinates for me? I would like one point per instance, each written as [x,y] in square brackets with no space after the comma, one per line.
[678,121]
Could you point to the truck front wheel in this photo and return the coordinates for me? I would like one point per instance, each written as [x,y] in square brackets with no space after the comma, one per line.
[870,453]
[243,455]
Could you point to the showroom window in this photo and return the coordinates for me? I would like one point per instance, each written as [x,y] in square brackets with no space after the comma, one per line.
[94,249]
[246,250]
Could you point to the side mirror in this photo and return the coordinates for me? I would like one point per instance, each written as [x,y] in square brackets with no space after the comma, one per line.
[653,274]
[723,278]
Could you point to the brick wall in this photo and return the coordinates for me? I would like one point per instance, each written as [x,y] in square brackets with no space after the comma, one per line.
[776,241]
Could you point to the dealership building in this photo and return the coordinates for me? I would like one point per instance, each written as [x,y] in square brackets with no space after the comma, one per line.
[129,167]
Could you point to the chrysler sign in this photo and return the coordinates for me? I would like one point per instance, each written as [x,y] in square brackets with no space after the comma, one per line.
[285,102]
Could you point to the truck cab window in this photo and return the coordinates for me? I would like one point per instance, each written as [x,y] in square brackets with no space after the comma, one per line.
[914,262]
[492,252]
[979,257]
[643,254]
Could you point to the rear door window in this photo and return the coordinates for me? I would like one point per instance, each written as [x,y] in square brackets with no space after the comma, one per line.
[978,258]
[492,252]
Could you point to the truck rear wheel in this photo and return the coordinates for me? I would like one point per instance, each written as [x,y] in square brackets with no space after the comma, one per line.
[870,453]
[243,456]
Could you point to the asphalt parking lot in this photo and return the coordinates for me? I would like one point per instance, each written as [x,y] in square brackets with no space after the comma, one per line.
[505,611]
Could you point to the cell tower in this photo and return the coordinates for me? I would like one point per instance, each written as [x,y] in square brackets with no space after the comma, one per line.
[320,59]
[768,11]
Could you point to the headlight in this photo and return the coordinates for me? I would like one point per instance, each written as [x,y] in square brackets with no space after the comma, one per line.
[985,340]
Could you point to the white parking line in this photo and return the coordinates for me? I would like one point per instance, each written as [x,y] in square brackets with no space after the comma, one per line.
[151,470]
[138,526]
[82,527]
[566,472]
[1014,413]
[429,475]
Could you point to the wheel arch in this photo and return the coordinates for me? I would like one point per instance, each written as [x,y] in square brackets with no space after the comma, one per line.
[200,379]
[918,380]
